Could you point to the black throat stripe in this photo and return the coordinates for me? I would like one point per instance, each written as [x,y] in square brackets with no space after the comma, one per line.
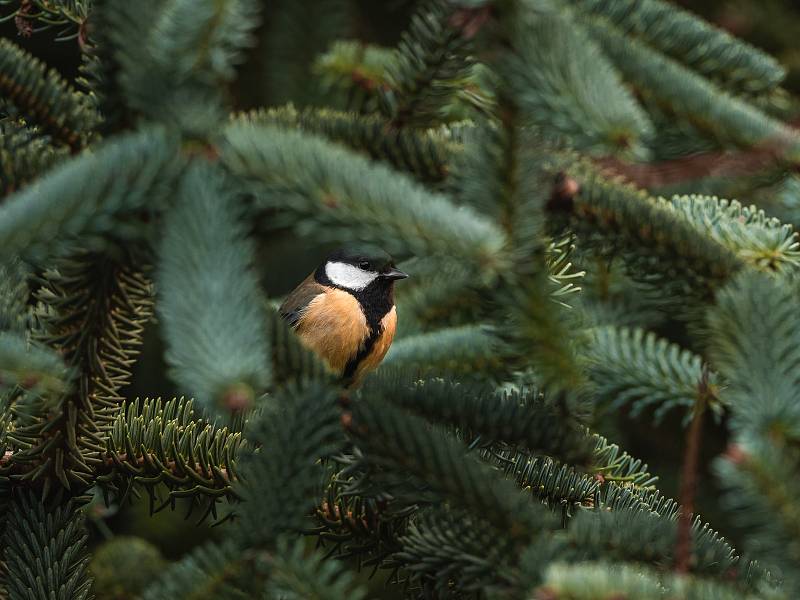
[352,365]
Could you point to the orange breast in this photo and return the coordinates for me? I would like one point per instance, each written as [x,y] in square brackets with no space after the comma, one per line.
[381,347]
[333,325]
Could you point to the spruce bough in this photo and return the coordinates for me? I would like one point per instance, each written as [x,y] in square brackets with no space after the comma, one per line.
[151,195]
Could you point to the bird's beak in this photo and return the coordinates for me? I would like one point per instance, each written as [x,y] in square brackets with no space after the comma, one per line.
[393,274]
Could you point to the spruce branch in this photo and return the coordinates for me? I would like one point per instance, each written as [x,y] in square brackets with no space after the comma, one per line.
[39,370]
[440,296]
[108,194]
[724,117]
[609,297]
[537,326]
[562,487]
[110,24]
[211,571]
[204,40]
[45,550]
[337,194]
[450,551]
[608,579]
[565,86]
[676,32]
[612,464]
[713,556]
[45,98]
[431,62]
[292,41]
[190,54]
[41,15]
[537,330]
[655,239]
[15,315]
[211,307]
[356,72]
[632,366]
[303,427]
[508,165]
[761,241]
[759,482]
[423,154]
[115,54]
[645,537]
[360,529]
[157,443]
[518,418]
[92,310]
[454,350]
[603,579]
[753,344]
[393,439]
[502,174]
[557,485]
[24,155]
[296,575]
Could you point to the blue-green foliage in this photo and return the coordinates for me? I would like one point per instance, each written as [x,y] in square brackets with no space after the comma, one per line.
[565,86]
[211,570]
[762,241]
[44,97]
[710,51]
[175,57]
[203,40]
[24,154]
[301,426]
[291,39]
[643,536]
[157,445]
[754,345]
[211,306]
[632,366]
[430,64]
[447,549]
[467,348]
[604,579]
[295,575]
[45,550]
[387,435]
[468,466]
[14,292]
[334,194]
[759,482]
[108,192]
[723,116]
[35,368]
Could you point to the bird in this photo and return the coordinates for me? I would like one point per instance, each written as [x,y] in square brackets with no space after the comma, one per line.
[344,311]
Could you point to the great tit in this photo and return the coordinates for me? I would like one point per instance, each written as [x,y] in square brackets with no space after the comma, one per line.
[344,311]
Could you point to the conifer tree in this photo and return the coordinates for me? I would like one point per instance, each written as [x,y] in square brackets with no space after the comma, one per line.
[512,154]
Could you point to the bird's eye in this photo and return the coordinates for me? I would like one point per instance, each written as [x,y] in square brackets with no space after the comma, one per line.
[364,265]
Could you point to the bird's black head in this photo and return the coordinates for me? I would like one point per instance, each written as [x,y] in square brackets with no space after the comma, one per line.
[366,273]
[356,270]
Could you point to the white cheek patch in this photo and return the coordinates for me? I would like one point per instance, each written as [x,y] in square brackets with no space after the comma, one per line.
[348,276]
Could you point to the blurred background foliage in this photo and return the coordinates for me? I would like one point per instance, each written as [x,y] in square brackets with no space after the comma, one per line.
[773,25]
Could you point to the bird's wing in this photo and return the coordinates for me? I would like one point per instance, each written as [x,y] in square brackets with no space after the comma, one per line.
[296,302]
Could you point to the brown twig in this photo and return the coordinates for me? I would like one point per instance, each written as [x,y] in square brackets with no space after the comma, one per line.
[709,164]
[683,545]
[21,20]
